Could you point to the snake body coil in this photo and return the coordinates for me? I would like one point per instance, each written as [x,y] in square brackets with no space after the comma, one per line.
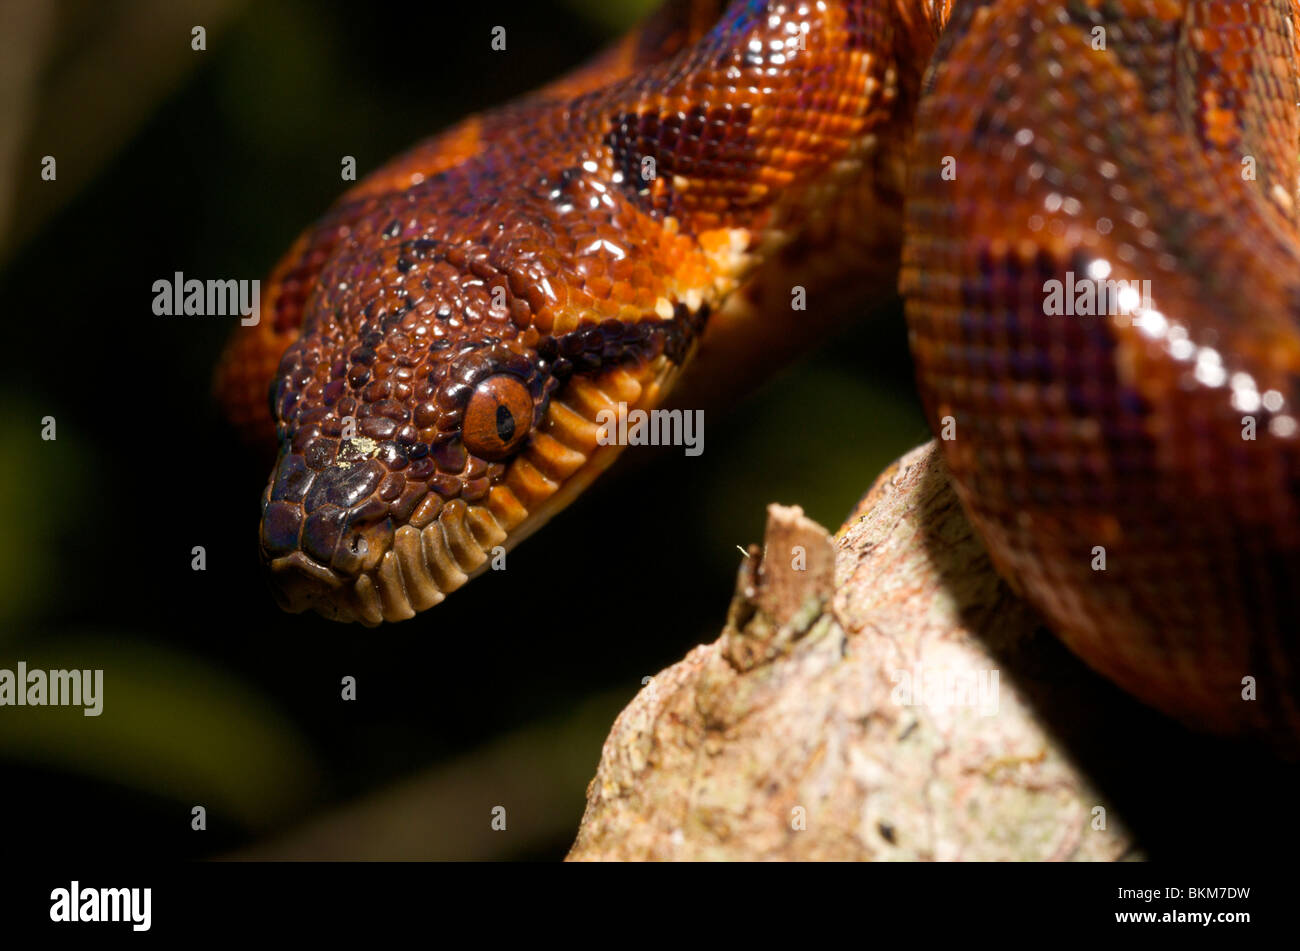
[1091,204]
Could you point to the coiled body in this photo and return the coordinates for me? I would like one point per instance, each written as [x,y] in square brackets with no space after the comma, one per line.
[440,348]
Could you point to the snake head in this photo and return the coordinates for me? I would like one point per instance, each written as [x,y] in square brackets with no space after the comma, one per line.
[430,416]
[466,319]
[376,496]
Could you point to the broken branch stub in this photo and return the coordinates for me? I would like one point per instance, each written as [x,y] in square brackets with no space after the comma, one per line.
[879,695]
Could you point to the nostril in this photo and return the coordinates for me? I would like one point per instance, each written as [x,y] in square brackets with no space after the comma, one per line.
[358,545]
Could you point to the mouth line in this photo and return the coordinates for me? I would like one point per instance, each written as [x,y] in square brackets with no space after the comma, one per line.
[426,562]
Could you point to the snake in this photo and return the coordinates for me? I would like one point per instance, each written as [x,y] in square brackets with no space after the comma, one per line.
[1088,208]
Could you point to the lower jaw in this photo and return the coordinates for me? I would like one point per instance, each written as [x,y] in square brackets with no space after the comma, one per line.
[427,562]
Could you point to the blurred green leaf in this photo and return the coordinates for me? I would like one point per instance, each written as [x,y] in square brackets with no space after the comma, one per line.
[169,726]
[42,491]
[613,15]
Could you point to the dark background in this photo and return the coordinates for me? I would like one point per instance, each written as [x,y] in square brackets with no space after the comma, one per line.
[210,163]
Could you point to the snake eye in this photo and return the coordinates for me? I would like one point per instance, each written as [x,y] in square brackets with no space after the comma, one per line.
[498,417]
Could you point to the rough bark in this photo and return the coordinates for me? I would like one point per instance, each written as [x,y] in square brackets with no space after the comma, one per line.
[793,735]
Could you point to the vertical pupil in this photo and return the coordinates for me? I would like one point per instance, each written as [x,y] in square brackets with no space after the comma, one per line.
[505,423]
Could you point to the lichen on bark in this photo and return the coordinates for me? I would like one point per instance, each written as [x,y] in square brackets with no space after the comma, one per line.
[877,695]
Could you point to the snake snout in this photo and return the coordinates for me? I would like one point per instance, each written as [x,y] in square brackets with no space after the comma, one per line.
[300,584]
[323,528]
[337,540]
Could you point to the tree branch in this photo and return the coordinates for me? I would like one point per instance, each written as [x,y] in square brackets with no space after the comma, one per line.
[879,695]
